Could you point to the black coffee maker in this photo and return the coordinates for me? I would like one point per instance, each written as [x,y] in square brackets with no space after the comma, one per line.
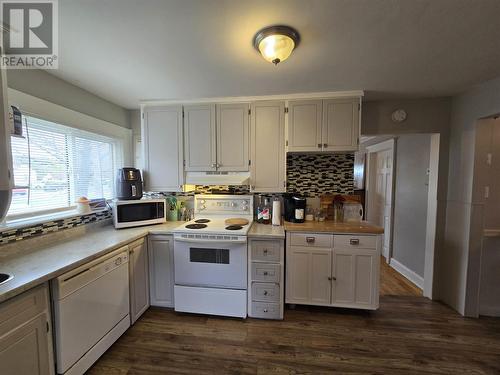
[128,184]
[295,208]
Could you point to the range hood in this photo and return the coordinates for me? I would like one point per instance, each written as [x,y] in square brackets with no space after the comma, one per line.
[218,178]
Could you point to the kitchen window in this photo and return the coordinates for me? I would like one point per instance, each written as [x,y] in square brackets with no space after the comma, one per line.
[55,164]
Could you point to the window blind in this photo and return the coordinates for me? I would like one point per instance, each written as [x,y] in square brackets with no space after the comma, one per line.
[55,164]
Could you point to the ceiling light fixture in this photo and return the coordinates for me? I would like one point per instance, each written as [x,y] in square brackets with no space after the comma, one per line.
[276,43]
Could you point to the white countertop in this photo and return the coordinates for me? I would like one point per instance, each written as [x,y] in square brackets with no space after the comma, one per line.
[39,259]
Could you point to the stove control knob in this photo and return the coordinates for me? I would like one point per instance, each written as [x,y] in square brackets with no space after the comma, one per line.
[202,201]
[244,208]
[202,207]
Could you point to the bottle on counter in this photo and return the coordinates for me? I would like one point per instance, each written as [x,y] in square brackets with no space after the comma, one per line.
[266,212]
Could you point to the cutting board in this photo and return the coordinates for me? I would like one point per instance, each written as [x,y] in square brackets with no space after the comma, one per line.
[236,221]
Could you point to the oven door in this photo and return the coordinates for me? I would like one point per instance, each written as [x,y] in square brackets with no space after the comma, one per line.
[215,264]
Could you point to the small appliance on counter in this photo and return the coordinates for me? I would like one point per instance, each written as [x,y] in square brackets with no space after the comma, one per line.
[128,184]
[295,207]
[134,213]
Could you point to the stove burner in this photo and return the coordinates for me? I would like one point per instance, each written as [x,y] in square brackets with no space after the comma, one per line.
[196,226]
[234,227]
[202,221]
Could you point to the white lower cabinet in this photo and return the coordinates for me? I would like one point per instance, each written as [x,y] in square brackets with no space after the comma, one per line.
[161,270]
[25,334]
[265,278]
[139,279]
[343,275]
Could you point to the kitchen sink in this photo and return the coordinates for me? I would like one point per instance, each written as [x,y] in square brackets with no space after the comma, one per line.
[4,277]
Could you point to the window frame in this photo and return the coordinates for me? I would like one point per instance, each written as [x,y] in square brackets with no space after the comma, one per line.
[43,215]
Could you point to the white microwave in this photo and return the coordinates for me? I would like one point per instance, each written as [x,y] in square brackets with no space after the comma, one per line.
[134,213]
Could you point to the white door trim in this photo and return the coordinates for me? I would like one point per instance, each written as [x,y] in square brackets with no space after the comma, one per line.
[432,201]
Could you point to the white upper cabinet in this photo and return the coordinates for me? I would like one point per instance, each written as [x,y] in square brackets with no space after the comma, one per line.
[199,138]
[163,151]
[323,125]
[340,124]
[304,125]
[233,137]
[268,161]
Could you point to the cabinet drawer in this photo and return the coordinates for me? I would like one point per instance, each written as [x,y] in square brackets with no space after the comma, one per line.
[266,292]
[22,308]
[310,239]
[266,310]
[357,242]
[266,272]
[266,251]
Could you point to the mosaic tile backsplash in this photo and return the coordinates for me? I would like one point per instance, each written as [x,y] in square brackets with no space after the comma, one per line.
[52,226]
[315,174]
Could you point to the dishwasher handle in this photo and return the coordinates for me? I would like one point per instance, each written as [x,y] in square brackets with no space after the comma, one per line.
[76,279]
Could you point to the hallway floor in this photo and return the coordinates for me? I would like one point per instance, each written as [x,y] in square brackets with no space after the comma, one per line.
[392,283]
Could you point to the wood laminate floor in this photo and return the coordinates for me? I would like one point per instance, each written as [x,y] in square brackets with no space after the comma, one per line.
[392,283]
[407,335]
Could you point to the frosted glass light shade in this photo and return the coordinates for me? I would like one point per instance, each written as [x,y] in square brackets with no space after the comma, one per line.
[276,43]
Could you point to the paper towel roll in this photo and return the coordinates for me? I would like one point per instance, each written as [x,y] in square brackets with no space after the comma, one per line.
[276,212]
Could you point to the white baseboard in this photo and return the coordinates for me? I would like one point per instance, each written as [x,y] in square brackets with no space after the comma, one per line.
[408,273]
[489,310]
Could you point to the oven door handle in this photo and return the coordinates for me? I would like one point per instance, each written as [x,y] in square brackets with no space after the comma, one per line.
[206,240]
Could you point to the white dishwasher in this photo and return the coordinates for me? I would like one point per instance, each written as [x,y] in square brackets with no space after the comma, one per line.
[91,310]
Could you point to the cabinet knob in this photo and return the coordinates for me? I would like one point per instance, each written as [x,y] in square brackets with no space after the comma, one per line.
[319,145]
[265,273]
[325,145]
[310,239]
[332,278]
[265,292]
[354,241]
[265,251]
[213,165]
[265,310]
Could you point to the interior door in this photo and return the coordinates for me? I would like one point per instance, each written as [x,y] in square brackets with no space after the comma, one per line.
[381,195]
[340,124]
[304,125]
[233,137]
[200,137]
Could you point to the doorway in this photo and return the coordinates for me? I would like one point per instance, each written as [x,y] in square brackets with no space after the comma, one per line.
[401,197]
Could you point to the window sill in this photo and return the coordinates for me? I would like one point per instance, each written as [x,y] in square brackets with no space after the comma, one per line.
[41,219]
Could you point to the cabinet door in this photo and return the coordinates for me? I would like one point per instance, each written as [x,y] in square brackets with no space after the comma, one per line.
[232,137]
[340,124]
[163,151]
[200,137]
[308,274]
[139,279]
[355,273]
[304,125]
[161,270]
[26,350]
[268,168]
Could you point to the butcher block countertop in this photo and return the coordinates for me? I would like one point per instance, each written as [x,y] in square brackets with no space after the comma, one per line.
[362,227]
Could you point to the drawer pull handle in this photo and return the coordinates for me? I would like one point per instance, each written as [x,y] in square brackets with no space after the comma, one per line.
[310,239]
[354,241]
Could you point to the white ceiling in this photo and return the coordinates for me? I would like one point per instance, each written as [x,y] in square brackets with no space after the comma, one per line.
[132,50]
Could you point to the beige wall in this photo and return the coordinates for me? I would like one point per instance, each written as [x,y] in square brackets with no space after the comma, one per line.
[135,121]
[48,87]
